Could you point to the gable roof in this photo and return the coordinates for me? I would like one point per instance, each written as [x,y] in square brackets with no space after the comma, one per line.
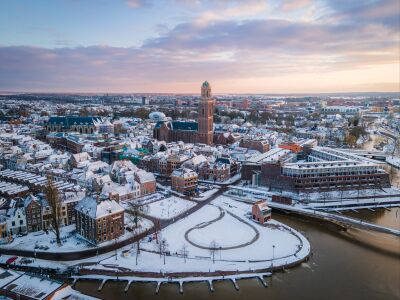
[73,120]
[94,210]
[184,125]
[179,125]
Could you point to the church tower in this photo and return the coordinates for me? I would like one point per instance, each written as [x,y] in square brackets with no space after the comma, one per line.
[205,118]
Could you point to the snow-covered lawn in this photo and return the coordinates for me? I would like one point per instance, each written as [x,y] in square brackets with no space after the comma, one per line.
[285,242]
[221,232]
[169,207]
[277,243]
[70,240]
[40,240]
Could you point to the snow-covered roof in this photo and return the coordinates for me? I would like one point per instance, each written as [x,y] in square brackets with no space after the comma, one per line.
[80,157]
[142,176]
[94,210]
[184,173]
[33,287]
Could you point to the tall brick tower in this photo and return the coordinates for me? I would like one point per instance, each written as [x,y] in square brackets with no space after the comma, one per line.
[206,112]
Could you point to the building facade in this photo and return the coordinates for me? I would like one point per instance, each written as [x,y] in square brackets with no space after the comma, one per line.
[73,123]
[33,212]
[184,181]
[191,132]
[99,221]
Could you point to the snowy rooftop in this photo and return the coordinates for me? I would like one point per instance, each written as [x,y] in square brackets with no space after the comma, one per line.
[272,155]
[90,207]
[33,287]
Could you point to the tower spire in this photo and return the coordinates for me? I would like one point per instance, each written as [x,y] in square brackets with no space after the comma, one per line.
[206,90]
[206,115]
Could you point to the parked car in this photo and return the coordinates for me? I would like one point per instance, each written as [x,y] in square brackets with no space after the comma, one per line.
[11,260]
[26,261]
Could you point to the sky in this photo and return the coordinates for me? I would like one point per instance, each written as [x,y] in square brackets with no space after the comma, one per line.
[172,46]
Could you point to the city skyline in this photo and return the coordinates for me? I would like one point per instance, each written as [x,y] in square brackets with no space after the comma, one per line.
[170,46]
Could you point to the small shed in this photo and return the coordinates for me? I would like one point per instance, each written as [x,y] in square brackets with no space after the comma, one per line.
[261,212]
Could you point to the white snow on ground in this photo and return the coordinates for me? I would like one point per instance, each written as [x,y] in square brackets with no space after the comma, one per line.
[290,246]
[393,160]
[143,224]
[70,240]
[206,194]
[221,231]
[169,208]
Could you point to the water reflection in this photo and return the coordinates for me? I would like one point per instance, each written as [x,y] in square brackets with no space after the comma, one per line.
[344,265]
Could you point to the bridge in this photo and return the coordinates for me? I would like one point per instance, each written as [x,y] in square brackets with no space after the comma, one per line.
[342,221]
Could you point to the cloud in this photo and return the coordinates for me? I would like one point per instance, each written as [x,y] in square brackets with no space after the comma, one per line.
[385,12]
[276,35]
[289,5]
[138,3]
[228,46]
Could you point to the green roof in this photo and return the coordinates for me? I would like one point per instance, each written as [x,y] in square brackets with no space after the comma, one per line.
[179,125]
[72,120]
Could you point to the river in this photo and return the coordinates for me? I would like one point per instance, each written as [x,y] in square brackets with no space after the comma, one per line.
[344,265]
[355,265]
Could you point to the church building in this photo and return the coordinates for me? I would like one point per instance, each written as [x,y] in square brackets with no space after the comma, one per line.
[191,132]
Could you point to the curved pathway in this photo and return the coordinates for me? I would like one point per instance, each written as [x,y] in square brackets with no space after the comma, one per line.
[221,215]
[92,252]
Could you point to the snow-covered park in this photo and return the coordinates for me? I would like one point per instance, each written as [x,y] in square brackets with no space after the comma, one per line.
[240,243]
[46,242]
[41,241]
[168,208]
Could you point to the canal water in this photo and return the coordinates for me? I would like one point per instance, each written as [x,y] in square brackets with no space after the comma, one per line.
[344,265]
[355,265]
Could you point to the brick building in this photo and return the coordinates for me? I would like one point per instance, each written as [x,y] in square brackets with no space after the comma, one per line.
[184,181]
[255,144]
[99,221]
[191,132]
[33,213]
[73,123]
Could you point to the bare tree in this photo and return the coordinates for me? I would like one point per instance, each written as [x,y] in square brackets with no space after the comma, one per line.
[213,249]
[137,232]
[163,247]
[184,252]
[55,203]
[135,212]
